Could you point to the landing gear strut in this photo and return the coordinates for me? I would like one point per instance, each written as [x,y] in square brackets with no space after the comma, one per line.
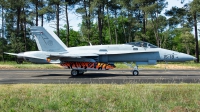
[77,72]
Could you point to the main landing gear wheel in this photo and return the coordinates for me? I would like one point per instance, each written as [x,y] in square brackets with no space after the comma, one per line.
[77,72]
[74,72]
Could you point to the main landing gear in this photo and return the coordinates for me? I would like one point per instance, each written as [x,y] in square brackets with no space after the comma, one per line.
[77,72]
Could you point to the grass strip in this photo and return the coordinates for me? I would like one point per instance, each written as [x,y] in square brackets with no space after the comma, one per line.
[100,97]
[27,66]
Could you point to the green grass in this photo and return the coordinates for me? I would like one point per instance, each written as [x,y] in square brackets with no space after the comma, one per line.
[104,97]
[124,66]
[27,65]
[170,64]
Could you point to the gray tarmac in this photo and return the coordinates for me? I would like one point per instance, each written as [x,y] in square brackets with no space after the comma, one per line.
[98,77]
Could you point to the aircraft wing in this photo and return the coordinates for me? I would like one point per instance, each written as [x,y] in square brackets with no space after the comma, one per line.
[72,55]
[80,55]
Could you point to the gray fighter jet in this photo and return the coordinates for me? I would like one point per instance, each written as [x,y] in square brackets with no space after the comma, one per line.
[96,57]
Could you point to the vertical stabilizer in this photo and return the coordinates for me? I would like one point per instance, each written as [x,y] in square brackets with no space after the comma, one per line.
[47,41]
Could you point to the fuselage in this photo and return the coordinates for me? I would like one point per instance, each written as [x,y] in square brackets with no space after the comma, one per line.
[132,53]
[147,54]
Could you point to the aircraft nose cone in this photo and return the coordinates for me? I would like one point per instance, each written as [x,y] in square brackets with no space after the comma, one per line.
[187,57]
[193,58]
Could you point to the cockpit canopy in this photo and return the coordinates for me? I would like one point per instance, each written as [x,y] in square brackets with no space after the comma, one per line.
[142,44]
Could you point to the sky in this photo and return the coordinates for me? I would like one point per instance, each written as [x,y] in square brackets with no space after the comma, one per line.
[75,19]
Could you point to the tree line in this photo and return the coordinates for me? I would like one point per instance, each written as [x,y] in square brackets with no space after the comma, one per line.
[103,22]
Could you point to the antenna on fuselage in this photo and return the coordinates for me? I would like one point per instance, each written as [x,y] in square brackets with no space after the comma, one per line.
[90,43]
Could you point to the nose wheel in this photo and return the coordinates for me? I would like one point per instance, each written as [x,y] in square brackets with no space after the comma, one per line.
[135,71]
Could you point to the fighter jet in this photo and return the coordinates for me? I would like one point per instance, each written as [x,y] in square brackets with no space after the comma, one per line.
[96,57]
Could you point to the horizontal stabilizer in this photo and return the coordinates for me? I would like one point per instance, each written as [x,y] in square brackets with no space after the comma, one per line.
[14,54]
[22,55]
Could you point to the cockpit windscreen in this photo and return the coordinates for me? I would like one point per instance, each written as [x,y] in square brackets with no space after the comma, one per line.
[142,44]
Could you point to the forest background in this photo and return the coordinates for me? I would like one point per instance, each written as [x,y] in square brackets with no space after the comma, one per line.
[103,22]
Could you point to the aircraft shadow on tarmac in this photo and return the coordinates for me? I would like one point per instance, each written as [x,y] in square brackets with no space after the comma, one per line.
[50,75]
[101,75]
[87,75]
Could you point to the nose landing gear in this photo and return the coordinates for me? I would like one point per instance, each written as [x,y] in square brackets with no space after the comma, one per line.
[135,71]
